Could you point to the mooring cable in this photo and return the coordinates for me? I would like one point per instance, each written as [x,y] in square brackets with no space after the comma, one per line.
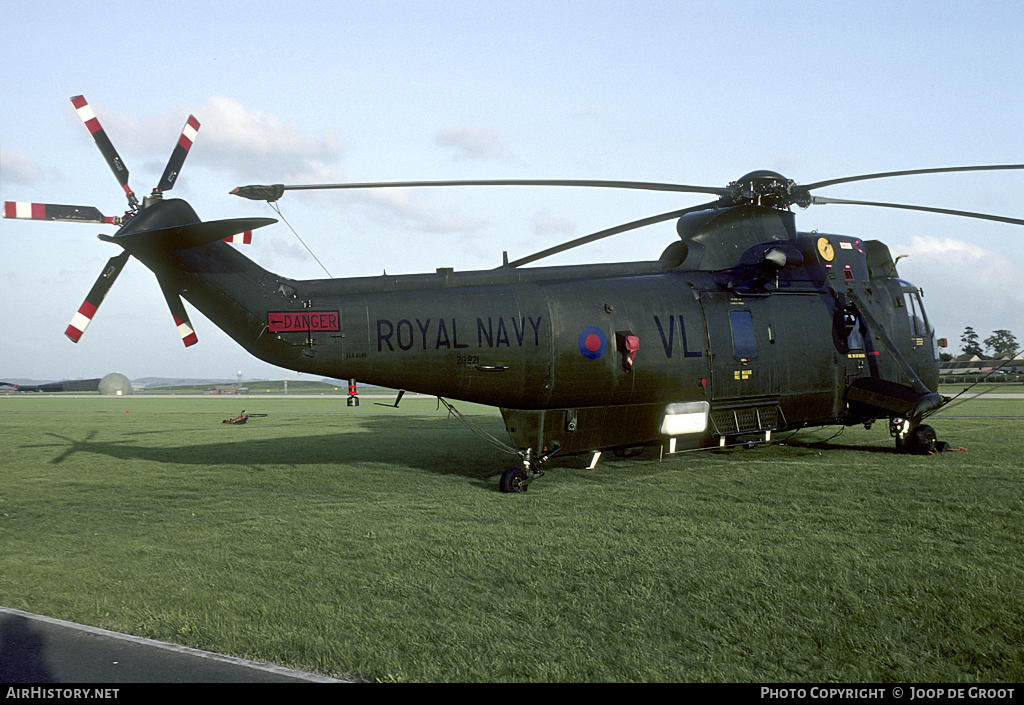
[277,209]
[487,437]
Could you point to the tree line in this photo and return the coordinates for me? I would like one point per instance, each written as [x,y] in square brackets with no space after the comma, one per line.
[1001,341]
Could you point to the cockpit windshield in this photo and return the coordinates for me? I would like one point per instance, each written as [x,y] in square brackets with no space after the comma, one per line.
[920,330]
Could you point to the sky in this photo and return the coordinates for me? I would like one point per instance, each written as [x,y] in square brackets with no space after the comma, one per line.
[677,91]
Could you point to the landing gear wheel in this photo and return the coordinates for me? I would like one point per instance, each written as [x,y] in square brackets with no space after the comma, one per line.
[921,441]
[513,480]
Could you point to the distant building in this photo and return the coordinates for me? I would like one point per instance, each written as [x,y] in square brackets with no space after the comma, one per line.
[71,385]
[114,384]
[227,389]
[1006,363]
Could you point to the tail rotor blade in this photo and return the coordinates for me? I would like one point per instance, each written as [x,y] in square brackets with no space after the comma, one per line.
[51,211]
[88,118]
[188,135]
[185,330]
[87,310]
[241,238]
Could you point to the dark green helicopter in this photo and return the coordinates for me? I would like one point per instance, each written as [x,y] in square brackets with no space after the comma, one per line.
[743,327]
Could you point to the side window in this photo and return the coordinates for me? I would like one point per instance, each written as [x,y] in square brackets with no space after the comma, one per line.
[743,343]
[854,329]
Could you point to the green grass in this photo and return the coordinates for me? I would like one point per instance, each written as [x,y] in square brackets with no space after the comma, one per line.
[372,543]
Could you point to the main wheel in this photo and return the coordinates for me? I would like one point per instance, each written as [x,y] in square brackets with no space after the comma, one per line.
[513,480]
[921,441]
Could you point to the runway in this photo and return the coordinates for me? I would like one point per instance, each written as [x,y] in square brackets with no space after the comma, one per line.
[40,650]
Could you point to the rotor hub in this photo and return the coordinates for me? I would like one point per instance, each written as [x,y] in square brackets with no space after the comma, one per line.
[764,188]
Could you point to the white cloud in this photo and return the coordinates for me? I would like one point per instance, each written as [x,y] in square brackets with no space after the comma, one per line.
[250,144]
[288,250]
[17,165]
[964,284]
[414,210]
[546,224]
[254,142]
[789,162]
[255,146]
[475,143]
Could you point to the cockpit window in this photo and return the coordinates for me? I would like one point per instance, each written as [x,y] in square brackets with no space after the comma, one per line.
[915,313]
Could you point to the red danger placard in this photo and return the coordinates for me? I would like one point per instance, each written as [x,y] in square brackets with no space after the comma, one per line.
[303,321]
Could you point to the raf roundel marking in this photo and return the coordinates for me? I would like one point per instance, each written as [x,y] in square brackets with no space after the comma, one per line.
[592,342]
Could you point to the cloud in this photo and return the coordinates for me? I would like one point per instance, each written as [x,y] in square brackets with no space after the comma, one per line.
[254,142]
[255,146]
[949,250]
[415,211]
[288,250]
[964,284]
[16,165]
[475,143]
[546,224]
[249,144]
[789,162]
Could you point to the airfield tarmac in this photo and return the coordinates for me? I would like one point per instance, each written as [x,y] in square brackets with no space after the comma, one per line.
[37,649]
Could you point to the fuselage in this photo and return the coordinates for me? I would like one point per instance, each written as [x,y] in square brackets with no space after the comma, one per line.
[599,347]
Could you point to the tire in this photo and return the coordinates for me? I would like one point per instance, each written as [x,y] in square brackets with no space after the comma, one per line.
[513,481]
[921,441]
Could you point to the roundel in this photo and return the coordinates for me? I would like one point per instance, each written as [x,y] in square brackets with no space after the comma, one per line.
[592,342]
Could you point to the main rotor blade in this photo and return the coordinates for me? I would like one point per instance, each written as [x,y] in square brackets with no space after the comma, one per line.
[272,193]
[911,172]
[185,330]
[188,135]
[87,310]
[819,200]
[88,118]
[593,237]
[50,211]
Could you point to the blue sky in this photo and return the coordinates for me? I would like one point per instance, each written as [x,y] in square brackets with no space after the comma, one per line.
[309,92]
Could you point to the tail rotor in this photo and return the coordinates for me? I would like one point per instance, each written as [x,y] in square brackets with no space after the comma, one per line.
[176,225]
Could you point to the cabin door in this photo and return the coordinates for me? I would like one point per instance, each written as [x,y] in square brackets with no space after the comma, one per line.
[741,338]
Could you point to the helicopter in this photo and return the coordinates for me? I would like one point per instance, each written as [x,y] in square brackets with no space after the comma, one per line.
[743,327]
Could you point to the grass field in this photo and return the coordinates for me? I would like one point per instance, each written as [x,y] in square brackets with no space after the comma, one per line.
[373,544]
